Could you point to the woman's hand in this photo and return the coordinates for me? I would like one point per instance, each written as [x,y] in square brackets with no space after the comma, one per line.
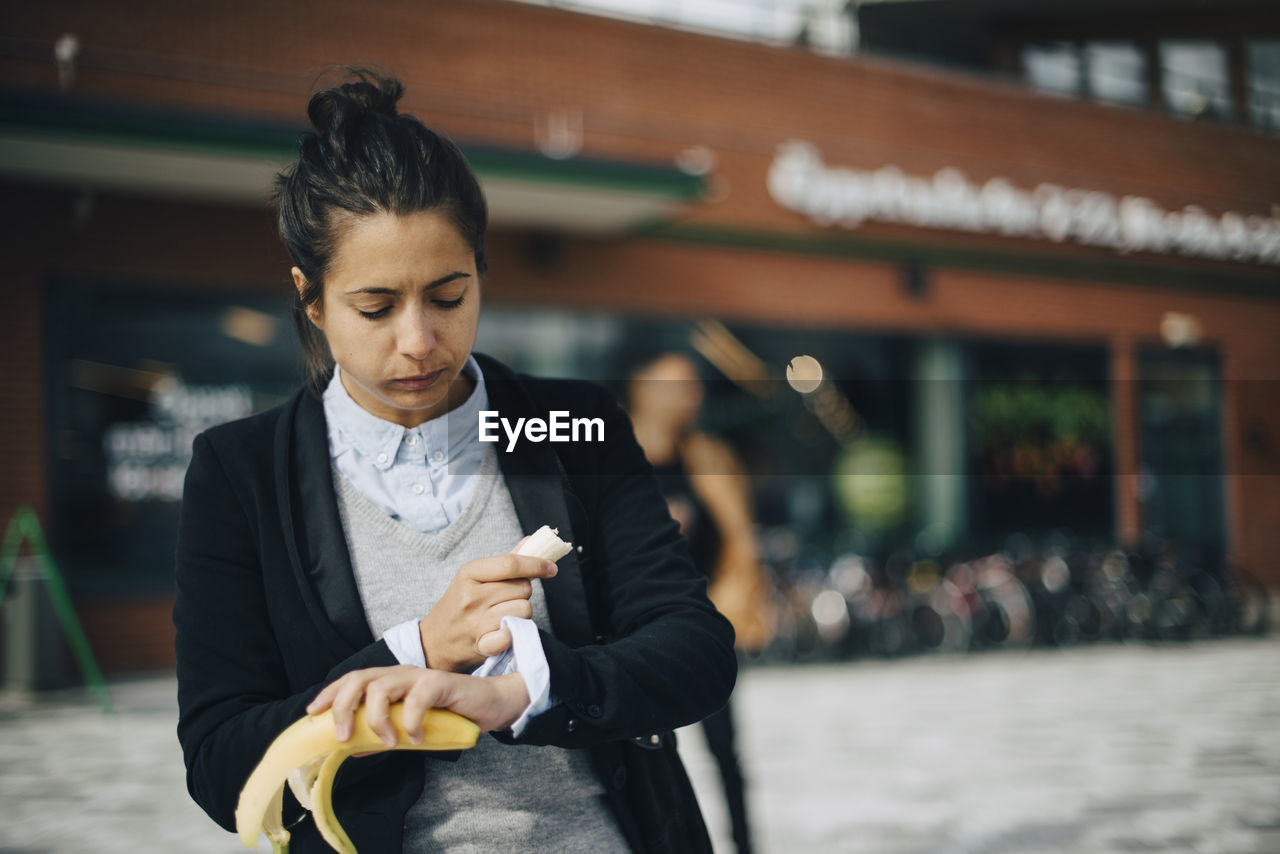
[462,630]
[493,703]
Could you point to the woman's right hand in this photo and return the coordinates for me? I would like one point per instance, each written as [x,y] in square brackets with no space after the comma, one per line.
[463,629]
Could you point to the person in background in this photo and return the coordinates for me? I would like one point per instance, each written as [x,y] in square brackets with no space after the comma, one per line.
[707,492]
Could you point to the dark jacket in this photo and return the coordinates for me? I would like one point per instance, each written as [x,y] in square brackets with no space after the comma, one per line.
[267,613]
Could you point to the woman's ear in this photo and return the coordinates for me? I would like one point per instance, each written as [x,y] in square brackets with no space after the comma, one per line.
[313,311]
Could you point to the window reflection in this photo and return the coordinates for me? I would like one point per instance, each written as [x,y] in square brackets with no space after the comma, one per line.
[1194,79]
[1116,73]
[1053,67]
[1263,63]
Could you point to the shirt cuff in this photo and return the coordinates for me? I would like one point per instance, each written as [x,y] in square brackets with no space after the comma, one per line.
[405,643]
[526,657]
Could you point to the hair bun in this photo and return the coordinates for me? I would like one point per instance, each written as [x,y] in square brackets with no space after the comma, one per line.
[333,108]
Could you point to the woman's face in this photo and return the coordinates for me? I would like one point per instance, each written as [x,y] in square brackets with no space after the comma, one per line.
[400,307]
[670,389]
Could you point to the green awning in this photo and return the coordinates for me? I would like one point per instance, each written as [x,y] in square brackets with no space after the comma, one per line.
[74,141]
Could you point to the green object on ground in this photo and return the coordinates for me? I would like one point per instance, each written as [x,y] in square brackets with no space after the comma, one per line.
[25,525]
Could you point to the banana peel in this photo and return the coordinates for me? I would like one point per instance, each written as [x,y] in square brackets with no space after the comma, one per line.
[306,757]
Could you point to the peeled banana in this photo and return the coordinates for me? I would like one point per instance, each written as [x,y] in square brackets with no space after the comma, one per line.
[308,755]
[544,543]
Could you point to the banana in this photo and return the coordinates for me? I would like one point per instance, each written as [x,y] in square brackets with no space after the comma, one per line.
[302,779]
[322,795]
[545,544]
[306,757]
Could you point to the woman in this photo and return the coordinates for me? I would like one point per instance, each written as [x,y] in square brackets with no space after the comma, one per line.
[353,545]
[706,490]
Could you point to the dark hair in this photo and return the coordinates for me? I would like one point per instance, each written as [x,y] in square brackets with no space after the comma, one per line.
[361,158]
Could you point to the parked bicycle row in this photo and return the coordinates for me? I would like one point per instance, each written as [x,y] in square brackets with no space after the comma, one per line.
[1057,593]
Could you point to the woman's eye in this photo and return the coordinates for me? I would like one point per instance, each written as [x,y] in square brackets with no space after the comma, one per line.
[374,315]
[450,303]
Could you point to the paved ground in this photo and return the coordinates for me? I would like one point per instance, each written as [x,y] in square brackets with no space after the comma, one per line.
[1104,750]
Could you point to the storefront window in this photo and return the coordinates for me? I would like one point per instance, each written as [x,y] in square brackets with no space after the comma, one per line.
[1195,81]
[1116,72]
[134,375]
[1053,67]
[550,342]
[1263,62]
[1039,419]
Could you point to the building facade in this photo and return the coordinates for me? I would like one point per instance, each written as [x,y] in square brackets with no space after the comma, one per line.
[940,241]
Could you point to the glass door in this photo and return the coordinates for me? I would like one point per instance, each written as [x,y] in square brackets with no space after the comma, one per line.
[1180,423]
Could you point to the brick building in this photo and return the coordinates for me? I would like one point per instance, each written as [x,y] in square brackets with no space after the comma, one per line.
[948,224]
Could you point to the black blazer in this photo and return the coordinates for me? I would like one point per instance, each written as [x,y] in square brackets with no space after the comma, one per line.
[267,613]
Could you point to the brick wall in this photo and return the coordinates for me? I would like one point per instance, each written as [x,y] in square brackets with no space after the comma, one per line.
[129,634]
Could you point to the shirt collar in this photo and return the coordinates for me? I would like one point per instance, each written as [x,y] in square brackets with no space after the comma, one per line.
[353,426]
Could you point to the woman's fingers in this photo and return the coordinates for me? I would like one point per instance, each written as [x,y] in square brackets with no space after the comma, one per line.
[345,694]
[451,629]
[494,642]
[498,639]
[378,696]
[323,699]
[346,701]
[508,566]
[501,591]
[521,608]
[424,694]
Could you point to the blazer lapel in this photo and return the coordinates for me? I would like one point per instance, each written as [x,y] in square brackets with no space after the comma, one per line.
[309,508]
[538,485]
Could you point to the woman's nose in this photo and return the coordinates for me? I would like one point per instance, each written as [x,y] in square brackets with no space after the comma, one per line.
[415,335]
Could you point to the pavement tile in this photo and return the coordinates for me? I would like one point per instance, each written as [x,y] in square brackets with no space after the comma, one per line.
[1111,749]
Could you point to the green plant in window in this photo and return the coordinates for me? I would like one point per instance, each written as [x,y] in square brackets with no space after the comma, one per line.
[1038,430]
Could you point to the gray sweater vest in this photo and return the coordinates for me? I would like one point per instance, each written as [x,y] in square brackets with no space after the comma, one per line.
[496,797]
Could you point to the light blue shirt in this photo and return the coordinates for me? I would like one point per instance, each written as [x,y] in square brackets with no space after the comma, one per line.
[424,477]
[416,475]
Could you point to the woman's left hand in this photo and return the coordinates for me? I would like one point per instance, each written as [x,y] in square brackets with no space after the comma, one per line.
[493,702]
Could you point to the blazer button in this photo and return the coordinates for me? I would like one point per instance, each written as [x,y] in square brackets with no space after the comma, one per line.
[620,777]
[571,725]
[594,711]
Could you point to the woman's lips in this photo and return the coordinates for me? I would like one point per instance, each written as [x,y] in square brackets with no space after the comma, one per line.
[418,383]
